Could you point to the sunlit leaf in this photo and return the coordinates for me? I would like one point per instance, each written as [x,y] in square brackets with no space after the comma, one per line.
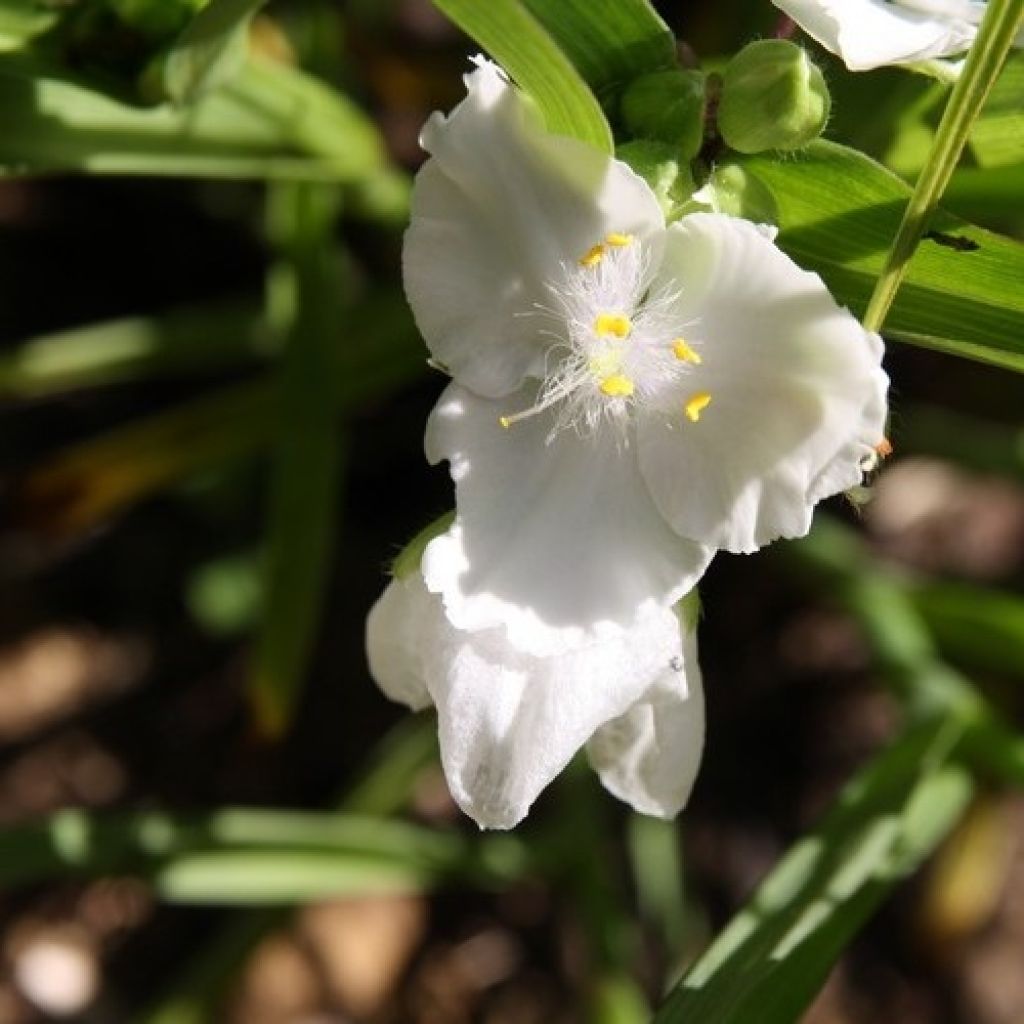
[838,212]
[610,42]
[520,44]
[269,121]
[771,960]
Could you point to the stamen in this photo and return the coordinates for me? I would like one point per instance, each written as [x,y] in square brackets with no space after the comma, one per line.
[884,448]
[593,255]
[617,386]
[696,404]
[618,239]
[555,395]
[684,353]
[612,323]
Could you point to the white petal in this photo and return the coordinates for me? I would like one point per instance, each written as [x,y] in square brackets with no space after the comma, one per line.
[395,636]
[870,33]
[510,722]
[558,542]
[797,391]
[649,756]
[500,209]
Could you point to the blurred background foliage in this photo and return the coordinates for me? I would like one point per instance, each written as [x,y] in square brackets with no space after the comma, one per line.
[213,404]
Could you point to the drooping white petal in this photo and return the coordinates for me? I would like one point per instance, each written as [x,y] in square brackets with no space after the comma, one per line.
[557,539]
[794,387]
[649,756]
[500,210]
[396,631]
[870,33]
[510,722]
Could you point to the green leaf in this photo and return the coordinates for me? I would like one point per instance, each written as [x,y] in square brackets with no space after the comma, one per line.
[261,878]
[519,43]
[189,340]
[210,51]
[307,454]
[999,27]
[976,626]
[610,42]
[23,20]
[997,138]
[271,121]
[772,958]
[838,212]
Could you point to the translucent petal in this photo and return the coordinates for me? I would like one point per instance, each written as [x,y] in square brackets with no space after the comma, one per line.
[649,756]
[870,33]
[792,394]
[510,722]
[498,212]
[556,539]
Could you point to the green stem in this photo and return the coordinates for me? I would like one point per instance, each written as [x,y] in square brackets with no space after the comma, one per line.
[998,30]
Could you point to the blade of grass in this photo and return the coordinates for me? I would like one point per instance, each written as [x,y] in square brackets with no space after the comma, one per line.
[520,44]
[773,957]
[999,28]
[383,788]
[610,42]
[307,453]
[193,340]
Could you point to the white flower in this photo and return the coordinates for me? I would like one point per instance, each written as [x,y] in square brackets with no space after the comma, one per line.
[870,33]
[510,722]
[628,397]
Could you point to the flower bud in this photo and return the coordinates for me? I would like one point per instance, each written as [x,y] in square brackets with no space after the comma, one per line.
[407,562]
[772,97]
[659,164]
[667,106]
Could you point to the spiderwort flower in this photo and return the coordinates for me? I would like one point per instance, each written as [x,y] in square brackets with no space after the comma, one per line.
[628,396]
[867,34]
[509,722]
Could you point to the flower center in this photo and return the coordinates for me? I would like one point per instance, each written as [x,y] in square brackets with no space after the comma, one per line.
[619,344]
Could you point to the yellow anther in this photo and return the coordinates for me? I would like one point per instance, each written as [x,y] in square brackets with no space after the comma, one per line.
[696,404]
[618,239]
[617,386]
[505,421]
[612,323]
[684,353]
[593,256]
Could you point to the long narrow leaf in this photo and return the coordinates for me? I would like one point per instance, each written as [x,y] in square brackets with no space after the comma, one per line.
[271,121]
[307,455]
[520,44]
[610,42]
[838,211]
[771,960]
